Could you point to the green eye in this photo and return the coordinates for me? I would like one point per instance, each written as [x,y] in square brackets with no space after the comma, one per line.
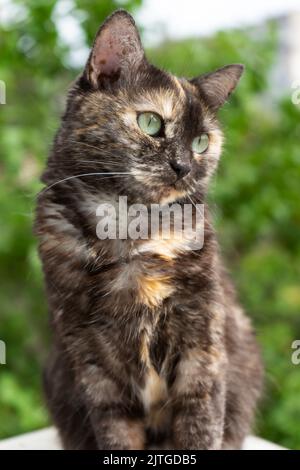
[150,123]
[200,143]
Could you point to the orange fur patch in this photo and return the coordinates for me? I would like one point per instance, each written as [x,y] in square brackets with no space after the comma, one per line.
[152,290]
[172,195]
[155,390]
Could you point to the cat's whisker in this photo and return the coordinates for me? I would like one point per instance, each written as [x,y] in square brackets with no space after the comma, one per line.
[193,203]
[111,174]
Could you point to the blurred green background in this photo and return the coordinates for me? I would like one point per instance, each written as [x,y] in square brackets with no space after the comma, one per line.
[255,197]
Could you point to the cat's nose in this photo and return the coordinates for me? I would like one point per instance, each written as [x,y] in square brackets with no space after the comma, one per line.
[181,168]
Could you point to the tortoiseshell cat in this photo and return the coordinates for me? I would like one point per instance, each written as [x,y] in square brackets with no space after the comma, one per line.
[150,347]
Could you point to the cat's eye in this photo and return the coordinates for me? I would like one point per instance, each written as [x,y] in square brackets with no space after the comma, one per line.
[200,143]
[150,123]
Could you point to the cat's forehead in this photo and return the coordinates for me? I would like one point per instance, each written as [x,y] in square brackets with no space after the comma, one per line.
[167,99]
[176,100]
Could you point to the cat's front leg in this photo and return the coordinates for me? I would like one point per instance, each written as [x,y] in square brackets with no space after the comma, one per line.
[115,431]
[116,425]
[199,400]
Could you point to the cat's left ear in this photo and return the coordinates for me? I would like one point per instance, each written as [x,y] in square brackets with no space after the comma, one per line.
[216,87]
[117,49]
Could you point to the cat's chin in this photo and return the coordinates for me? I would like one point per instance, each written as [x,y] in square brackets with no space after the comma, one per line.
[172,195]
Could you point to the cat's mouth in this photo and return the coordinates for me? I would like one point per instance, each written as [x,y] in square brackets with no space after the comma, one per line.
[162,190]
[172,194]
[175,191]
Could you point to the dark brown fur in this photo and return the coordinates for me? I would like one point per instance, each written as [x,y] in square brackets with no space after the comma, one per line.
[149,345]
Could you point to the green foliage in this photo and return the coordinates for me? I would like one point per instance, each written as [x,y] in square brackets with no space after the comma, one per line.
[254,199]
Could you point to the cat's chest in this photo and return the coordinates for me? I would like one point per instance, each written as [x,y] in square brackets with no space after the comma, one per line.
[148,274]
[148,278]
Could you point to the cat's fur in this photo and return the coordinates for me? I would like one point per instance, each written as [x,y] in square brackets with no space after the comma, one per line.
[149,343]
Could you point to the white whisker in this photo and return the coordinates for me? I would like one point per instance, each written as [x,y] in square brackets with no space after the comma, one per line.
[197,209]
[83,174]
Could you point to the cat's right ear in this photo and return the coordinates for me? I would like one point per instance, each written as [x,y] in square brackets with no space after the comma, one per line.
[117,50]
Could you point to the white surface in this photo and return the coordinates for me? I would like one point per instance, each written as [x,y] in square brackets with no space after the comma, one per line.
[47,439]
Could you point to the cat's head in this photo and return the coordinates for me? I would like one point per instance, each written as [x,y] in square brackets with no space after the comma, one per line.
[126,116]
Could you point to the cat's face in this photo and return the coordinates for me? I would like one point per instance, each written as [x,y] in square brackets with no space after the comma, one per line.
[126,116]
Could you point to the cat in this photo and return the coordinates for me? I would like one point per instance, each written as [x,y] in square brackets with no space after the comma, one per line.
[150,347]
